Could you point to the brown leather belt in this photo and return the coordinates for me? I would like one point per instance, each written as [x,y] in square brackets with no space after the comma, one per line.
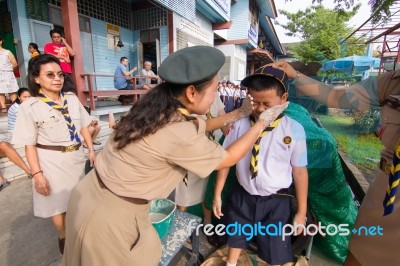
[131,200]
[385,166]
[70,148]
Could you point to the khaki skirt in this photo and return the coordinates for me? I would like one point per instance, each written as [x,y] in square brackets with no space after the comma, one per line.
[103,229]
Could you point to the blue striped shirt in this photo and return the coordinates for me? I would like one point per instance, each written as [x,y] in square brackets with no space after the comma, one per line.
[12,117]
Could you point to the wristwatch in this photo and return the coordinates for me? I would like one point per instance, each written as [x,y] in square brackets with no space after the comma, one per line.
[297,74]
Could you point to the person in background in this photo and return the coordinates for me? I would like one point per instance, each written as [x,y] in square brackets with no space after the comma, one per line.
[122,75]
[52,125]
[266,172]
[146,76]
[229,98]
[33,49]
[22,95]
[8,82]
[63,51]
[150,152]
[381,204]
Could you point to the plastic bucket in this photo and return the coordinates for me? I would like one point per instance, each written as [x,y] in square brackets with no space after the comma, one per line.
[162,215]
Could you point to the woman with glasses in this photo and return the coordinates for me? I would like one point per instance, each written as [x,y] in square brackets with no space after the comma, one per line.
[52,126]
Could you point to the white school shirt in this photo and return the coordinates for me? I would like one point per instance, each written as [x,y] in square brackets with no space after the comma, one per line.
[230,92]
[243,94]
[275,157]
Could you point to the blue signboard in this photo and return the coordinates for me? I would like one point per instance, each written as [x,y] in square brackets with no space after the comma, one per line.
[253,34]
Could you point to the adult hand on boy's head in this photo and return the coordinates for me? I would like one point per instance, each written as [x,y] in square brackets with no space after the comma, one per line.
[272,113]
[286,67]
[247,106]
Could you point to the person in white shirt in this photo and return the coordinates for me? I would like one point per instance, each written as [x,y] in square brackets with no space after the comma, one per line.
[146,76]
[265,173]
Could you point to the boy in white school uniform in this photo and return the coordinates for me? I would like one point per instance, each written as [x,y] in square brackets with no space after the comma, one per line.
[266,172]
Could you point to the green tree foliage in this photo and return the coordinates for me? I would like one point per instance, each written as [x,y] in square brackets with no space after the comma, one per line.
[379,8]
[321,30]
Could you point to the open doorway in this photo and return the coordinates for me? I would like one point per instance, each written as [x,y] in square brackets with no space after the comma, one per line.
[149,39]
[150,54]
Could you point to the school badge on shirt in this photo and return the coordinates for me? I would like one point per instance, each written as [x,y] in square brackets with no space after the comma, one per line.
[287,140]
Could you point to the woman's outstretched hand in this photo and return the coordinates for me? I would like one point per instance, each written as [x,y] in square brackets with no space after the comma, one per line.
[247,106]
[272,113]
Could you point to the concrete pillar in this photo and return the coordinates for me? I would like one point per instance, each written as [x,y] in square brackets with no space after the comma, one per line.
[70,19]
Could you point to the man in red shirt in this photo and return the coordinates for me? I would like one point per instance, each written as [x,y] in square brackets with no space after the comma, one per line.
[61,49]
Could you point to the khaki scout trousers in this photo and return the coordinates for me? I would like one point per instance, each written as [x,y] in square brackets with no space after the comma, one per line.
[375,249]
[103,229]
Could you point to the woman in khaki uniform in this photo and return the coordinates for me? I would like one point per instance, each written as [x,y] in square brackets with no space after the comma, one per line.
[383,91]
[150,152]
[48,126]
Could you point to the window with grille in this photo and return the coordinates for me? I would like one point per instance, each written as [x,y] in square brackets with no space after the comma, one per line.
[116,12]
[185,40]
[149,18]
[185,8]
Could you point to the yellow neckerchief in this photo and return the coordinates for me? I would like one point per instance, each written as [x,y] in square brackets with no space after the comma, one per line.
[394,179]
[63,108]
[256,148]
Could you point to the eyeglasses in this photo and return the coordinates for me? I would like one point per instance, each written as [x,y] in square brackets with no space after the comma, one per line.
[53,75]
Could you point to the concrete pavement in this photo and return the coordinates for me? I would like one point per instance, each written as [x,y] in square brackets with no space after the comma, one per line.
[24,239]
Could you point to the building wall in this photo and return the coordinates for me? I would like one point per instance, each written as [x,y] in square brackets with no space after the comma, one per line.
[235,62]
[187,33]
[240,18]
[106,59]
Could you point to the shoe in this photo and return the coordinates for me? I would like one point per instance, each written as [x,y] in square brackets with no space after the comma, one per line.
[96,142]
[85,146]
[61,243]
[4,184]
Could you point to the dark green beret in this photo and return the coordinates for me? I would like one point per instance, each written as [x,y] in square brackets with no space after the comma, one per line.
[192,65]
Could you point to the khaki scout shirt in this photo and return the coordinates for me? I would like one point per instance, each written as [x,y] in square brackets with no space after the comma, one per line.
[37,122]
[377,91]
[152,167]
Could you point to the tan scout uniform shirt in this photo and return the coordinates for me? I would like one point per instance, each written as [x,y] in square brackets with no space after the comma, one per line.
[152,167]
[37,122]
[377,249]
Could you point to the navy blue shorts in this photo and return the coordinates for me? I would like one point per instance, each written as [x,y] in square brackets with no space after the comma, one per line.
[244,208]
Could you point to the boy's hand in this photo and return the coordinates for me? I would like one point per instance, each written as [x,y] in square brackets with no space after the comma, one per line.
[217,204]
[299,219]
[272,113]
